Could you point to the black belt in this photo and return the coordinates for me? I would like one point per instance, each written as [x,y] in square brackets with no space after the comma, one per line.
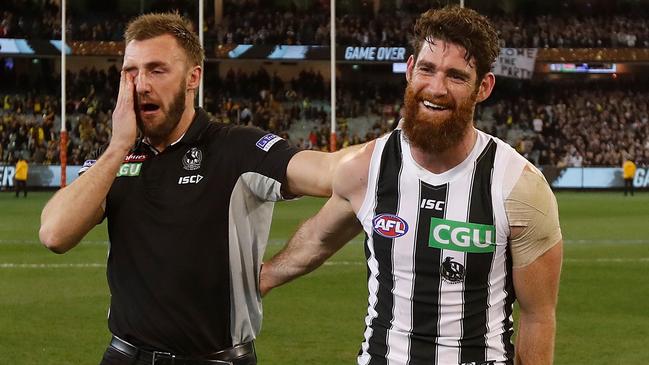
[242,354]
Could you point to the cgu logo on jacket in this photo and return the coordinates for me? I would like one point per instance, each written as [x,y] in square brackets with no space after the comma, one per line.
[446,234]
[389,225]
[129,169]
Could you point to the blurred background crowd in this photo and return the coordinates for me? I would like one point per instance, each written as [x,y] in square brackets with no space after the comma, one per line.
[560,24]
[595,121]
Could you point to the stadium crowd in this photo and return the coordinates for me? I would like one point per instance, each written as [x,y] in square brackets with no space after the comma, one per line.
[563,126]
[268,25]
[576,126]
[30,114]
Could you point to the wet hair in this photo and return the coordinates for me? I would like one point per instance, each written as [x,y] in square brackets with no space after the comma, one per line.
[461,26]
[152,25]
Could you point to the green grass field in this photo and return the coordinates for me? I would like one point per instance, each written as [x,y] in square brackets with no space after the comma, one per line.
[53,307]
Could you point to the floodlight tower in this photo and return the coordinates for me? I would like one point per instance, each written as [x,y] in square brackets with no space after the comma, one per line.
[63,147]
[332,20]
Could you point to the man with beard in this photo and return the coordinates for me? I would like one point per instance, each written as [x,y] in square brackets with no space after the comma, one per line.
[458,225]
[188,207]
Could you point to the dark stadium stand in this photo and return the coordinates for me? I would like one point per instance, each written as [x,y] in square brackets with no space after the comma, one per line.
[276,23]
[574,124]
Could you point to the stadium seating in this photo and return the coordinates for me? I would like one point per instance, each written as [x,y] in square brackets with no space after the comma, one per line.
[576,125]
[587,125]
[263,22]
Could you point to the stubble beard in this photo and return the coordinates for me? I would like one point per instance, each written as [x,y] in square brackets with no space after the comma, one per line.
[170,121]
[435,135]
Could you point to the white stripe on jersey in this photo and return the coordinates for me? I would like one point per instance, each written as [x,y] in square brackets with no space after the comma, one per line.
[451,303]
[365,212]
[403,257]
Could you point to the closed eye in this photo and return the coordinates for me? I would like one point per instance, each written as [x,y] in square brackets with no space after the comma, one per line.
[426,69]
[458,76]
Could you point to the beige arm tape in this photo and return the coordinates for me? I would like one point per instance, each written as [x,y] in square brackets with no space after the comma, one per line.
[532,205]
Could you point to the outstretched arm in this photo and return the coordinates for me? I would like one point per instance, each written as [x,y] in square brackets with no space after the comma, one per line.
[73,211]
[325,233]
[311,172]
[313,243]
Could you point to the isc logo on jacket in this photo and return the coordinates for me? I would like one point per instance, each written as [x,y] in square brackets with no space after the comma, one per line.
[192,179]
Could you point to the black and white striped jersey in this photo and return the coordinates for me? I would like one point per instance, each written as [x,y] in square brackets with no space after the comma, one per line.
[439,267]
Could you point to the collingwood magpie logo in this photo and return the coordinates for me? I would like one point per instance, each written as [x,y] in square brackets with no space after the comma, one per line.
[452,271]
[192,159]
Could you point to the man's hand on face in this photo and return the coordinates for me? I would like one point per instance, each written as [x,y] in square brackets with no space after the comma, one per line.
[124,123]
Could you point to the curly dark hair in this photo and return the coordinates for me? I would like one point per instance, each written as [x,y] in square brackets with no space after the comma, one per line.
[464,27]
[152,25]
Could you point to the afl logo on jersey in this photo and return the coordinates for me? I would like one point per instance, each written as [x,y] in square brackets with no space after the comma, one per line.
[389,225]
[192,159]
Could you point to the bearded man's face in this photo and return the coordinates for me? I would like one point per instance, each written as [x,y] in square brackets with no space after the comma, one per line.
[440,98]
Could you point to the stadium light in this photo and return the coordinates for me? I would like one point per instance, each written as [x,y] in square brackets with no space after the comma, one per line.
[201,11]
[63,147]
[332,139]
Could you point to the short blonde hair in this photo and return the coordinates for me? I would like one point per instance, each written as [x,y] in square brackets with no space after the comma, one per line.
[152,25]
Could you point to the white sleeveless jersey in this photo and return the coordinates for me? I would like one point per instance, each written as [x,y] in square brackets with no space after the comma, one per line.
[439,266]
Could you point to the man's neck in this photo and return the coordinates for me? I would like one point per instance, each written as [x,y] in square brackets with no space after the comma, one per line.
[443,161]
[185,121]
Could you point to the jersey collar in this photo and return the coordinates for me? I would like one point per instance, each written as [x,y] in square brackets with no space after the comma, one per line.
[193,133]
[195,130]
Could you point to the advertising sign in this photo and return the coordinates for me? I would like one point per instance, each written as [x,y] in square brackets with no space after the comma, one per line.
[39,175]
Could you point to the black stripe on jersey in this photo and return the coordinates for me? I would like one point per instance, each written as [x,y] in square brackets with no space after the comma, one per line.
[387,201]
[425,296]
[508,325]
[367,260]
[473,343]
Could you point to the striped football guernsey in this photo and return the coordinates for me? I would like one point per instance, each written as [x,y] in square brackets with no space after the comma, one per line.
[439,268]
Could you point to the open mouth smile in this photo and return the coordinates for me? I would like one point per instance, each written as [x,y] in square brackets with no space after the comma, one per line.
[432,106]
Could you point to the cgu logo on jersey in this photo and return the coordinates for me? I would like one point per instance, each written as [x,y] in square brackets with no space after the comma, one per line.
[462,236]
[129,169]
[389,225]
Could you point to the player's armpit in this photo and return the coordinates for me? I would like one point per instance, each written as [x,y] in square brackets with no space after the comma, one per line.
[533,218]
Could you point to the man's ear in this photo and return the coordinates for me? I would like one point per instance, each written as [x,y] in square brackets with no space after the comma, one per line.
[486,87]
[194,77]
[410,66]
